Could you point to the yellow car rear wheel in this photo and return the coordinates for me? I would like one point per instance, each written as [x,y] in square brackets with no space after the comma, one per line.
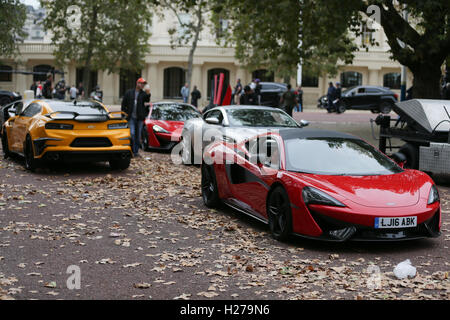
[30,162]
[120,164]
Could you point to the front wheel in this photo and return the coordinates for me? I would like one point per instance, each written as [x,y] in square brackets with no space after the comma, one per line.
[144,139]
[5,146]
[210,192]
[279,214]
[120,164]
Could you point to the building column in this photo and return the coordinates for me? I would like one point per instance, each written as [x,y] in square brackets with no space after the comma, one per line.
[108,87]
[151,75]
[374,77]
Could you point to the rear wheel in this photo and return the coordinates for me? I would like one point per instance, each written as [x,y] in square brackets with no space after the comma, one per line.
[411,153]
[210,192]
[279,214]
[341,108]
[120,164]
[31,163]
[5,146]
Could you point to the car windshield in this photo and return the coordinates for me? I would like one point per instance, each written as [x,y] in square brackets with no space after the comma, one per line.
[81,107]
[174,112]
[259,118]
[337,156]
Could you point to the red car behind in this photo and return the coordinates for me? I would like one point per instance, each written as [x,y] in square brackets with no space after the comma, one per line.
[164,124]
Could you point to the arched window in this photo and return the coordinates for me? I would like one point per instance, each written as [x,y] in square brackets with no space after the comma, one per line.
[263,75]
[128,80]
[351,79]
[5,73]
[174,79]
[79,78]
[392,80]
[217,71]
[41,72]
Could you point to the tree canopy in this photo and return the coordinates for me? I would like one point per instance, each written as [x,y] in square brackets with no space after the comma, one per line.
[12,19]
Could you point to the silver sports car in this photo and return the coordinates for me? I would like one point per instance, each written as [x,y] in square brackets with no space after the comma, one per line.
[230,123]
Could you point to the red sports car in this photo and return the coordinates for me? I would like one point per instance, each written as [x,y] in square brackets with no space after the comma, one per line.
[321,185]
[164,124]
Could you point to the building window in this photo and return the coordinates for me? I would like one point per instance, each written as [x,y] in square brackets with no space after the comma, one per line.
[5,73]
[217,71]
[79,78]
[351,79]
[263,75]
[392,80]
[41,72]
[310,81]
[128,80]
[174,79]
[222,28]
[366,35]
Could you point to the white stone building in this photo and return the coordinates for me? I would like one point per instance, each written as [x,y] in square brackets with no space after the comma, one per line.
[165,67]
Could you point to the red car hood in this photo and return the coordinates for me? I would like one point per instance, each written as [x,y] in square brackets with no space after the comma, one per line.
[387,191]
[171,126]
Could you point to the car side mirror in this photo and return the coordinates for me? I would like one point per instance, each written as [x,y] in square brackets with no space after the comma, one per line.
[212,120]
[399,158]
[304,123]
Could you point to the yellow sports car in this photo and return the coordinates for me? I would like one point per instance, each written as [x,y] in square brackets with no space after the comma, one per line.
[50,130]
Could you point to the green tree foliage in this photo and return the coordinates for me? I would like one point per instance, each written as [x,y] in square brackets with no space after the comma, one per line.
[12,19]
[112,34]
[268,32]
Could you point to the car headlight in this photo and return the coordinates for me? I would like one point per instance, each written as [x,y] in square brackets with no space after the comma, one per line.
[434,195]
[314,196]
[158,129]
[58,126]
[121,125]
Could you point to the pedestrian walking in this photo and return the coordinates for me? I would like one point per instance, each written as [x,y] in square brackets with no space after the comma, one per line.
[289,100]
[60,90]
[195,96]
[80,90]
[34,88]
[237,92]
[97,94]
[135,105]
[39,90]
[331,94]
[299,99]
[73,92]
[185,92]
[249,97]
[47,89]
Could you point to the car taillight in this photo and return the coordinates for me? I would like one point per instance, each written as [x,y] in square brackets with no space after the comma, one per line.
[396,96]
[121,125]
[58,126]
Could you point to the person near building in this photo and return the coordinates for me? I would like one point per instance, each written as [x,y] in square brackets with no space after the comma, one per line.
[249,97]
[80,90]
[331,96]
[258,89]
[299,92]
[237,92]
[289,100]
[135,104]
[34,88]
[185,92]
[195,96]
[73,92]
[97,94]
[47,89]
[60,89]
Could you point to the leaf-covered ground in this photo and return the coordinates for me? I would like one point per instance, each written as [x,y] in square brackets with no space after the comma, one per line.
[145,234]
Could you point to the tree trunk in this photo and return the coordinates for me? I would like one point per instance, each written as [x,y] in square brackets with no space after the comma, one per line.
[426,84]
[198,29]
[87,63]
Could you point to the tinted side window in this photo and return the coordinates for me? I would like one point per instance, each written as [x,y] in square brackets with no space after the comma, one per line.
[373,90]
[361,90]
[32,110]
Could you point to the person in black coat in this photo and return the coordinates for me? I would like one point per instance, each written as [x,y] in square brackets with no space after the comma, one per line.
[135,104]
[249,98]
[195,96]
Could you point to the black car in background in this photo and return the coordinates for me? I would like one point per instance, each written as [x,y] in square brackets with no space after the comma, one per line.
[373,98]
[10,110]
[271,93]
[6,97]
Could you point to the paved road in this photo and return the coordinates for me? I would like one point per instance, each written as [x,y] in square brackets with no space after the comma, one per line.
[145,234]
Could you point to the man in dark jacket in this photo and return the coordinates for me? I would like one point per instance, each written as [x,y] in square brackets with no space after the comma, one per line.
[331,95]
[134,105]
[249,98]
[289,100]
[48,87]
[195,96]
